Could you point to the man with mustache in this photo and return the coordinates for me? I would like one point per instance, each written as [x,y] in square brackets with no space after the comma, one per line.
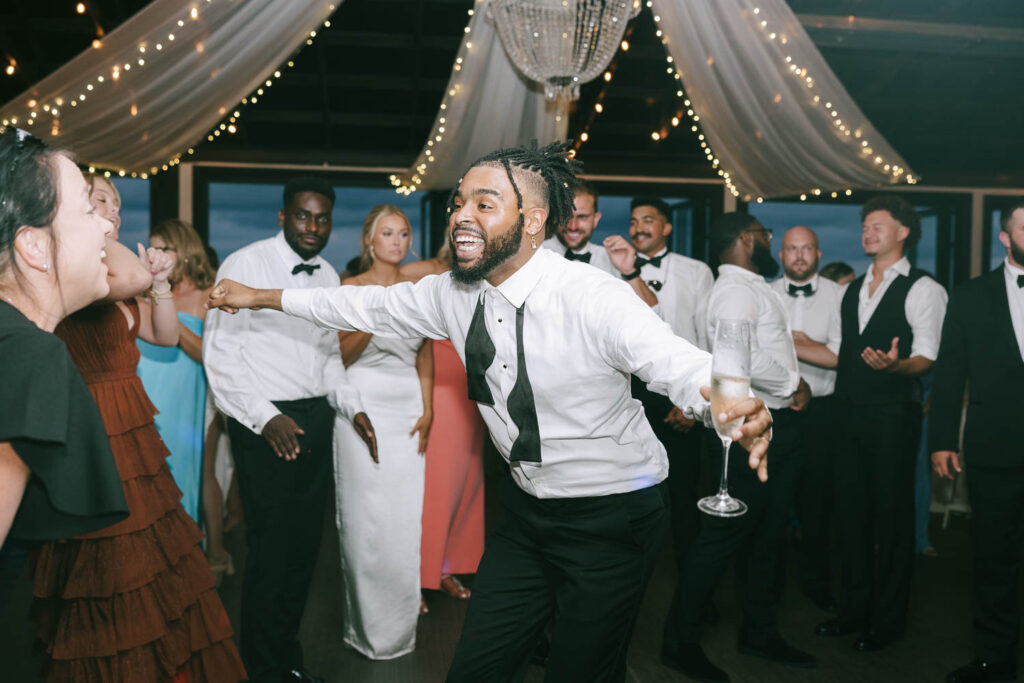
[983,348]
[548,347]
[280,380]
[573,240]
[891,322]
[743,247]
[813,305]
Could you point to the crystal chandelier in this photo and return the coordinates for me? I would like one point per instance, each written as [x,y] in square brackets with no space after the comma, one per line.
[562,43]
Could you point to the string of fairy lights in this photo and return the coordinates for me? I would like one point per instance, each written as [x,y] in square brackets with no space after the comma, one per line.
[148,53]
[437,133]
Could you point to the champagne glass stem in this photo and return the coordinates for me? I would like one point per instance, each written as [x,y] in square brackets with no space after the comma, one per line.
[723,485]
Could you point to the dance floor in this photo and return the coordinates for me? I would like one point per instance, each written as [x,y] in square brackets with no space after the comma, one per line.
[938,639]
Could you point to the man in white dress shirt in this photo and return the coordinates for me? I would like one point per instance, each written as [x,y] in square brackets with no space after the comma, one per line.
[280,380]
[573,240]
[743,246]
[549,347]
[891,323]
[813,305]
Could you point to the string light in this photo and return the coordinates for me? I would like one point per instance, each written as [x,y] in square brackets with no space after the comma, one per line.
[227,124]
[406,186]
[894,172]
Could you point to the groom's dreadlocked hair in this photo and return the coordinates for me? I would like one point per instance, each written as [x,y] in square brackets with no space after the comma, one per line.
[551,172]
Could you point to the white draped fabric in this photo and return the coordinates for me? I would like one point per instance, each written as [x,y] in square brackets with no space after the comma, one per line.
[488,105]
[181,68]
[742,64]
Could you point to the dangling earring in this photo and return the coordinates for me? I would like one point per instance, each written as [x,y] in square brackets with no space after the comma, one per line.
[533,241]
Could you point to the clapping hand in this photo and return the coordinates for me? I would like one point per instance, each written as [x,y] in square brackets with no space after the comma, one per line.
[621,253]
[881,360]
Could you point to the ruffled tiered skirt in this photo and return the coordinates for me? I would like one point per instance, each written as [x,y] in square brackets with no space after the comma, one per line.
[135,601]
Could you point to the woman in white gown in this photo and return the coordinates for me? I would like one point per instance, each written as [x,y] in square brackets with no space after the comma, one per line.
[380,504]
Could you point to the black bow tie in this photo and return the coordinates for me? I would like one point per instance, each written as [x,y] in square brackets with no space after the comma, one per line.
[642,261]
[795,289]
[304,268]
[573,256]
[1020,280]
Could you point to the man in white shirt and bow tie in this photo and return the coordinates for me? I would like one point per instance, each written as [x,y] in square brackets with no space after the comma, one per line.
[813,305]
[573,239]
[280,380]
[743,246]
[549,347]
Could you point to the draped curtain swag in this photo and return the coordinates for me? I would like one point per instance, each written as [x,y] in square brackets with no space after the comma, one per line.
[162,80]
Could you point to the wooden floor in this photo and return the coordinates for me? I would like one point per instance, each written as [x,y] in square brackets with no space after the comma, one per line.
[938,640]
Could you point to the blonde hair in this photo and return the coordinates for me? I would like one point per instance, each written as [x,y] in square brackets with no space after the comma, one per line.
[91,179]
[193,263]
[370,227]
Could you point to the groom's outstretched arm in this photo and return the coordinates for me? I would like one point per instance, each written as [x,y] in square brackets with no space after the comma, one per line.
[403,311]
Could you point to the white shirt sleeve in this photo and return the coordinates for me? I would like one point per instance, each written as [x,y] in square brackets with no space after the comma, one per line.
[632,338]
[343,397]
[925,309]
[835,328]
[402,311]
[228,376]
[739,302]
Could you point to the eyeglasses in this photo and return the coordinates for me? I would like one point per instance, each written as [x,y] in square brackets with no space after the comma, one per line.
[765,231]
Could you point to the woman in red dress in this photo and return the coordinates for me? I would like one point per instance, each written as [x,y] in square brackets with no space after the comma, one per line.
[135,601]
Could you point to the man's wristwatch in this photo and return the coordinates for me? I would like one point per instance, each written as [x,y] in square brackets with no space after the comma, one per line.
[632,276]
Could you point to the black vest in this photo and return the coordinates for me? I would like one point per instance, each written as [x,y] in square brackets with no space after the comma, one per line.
[855,380]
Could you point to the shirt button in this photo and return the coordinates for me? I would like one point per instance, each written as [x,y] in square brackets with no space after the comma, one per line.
[499,320]
[504,367]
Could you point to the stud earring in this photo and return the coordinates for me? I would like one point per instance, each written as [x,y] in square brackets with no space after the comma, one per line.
[46,267]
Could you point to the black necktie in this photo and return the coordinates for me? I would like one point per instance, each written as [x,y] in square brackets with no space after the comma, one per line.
[642,261]
[521,408]
[1020,280]
[795,289]
[479,356]
[304,268]
[573,256]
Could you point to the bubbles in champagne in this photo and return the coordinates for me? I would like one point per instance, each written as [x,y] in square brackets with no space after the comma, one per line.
[725,393]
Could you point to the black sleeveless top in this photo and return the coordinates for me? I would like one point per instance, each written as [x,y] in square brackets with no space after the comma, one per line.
[51,421]
[855,380]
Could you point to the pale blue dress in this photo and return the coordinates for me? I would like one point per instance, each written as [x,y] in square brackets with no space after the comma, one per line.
[177,387]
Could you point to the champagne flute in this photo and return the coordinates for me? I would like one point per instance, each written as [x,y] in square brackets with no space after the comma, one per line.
[730,384]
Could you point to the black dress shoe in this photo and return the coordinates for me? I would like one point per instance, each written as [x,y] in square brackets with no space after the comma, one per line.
[689,659]
[302,676]
[980,671]
[870,641]
[835,627]
[777,650]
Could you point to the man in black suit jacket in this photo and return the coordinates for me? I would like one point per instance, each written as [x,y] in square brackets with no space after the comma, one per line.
[983,347]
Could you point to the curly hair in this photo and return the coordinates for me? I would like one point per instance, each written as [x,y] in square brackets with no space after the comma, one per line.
[550,170]
[900,209]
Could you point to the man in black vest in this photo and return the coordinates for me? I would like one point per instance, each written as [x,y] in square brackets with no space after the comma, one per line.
[983,347]
[891,322]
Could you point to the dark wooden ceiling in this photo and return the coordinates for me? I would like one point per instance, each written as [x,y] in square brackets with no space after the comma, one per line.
[941,79]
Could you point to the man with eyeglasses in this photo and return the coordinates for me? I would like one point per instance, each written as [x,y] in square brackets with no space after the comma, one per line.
[743,247]
[813,306]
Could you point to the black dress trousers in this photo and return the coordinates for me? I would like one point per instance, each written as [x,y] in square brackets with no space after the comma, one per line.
[583,563]
[997,521]
[875,459]
[815,496]
[284,513]
[754,539]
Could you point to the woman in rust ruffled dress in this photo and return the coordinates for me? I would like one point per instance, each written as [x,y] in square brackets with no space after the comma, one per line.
[135,601]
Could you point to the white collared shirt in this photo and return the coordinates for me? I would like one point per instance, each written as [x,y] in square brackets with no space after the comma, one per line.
[1015,297]
[741,294]
[818,317]
[584,333]
[598,254]
[924,308]
[685,284]
[255,357]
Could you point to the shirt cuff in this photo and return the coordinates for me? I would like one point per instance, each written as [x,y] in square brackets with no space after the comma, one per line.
[298,302]
[259,418]
[348,405]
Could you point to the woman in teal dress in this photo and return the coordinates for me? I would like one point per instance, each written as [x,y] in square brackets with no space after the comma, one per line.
[173,376]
